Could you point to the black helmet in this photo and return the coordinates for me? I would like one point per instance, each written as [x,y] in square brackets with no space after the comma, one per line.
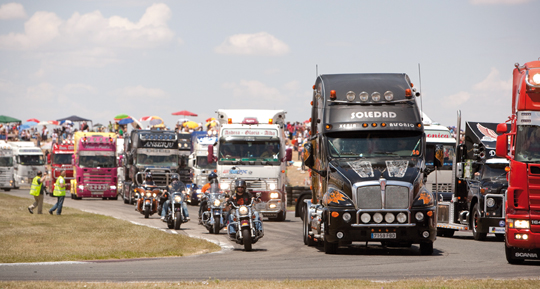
[174,177]
[240,184]
[212,176]
[148,176]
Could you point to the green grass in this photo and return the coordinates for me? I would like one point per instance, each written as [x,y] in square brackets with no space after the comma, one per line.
[76,236]
[338,284]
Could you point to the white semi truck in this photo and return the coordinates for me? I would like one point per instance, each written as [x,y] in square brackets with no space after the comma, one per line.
[6,167]
[251,147]
[199,165]
[28,160]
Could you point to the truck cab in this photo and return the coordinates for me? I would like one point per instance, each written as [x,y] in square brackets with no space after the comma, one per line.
[198,163]
[28,160]
[7,181]
[60,159]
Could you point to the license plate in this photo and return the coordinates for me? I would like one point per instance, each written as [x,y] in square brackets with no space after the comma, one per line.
[498,230]
[383,235]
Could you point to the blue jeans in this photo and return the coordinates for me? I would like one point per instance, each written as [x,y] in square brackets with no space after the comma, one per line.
[167,205]
[58,205]
[257,222]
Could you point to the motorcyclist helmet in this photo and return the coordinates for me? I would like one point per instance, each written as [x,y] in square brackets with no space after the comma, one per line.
[148,176]
[240,184]
[212,178]
[174,177]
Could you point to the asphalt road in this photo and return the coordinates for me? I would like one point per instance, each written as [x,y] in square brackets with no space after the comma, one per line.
[280,254]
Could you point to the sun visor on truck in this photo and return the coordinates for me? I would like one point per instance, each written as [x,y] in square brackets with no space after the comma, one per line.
[400,116]
[484,133]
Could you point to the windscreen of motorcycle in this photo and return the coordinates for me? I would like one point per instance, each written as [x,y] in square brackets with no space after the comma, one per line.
[177,187]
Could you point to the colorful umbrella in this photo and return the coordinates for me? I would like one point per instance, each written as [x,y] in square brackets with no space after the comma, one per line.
[210,119]
[211,123]
[184,113]
[8,119]
[120,116]
[125,120]
[190,124]
[30,123]
[154,120]
[33,119]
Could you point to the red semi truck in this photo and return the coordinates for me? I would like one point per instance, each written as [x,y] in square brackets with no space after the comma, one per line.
[521,146]
[60,160]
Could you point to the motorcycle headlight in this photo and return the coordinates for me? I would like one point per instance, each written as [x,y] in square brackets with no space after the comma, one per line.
[274,195]
[177,199]
[272,186]
[217,203]
[154,195]
[243,210]
[148,194]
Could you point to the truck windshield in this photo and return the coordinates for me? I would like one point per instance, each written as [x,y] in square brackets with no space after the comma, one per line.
[235,150]
[494,171]
[528,144]
[157,160]
[29,160]
[448,151]
[202,163]
[375,144]
[62,159]
[97,161]
[6,161]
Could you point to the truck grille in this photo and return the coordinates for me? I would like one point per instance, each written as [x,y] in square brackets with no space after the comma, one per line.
[370,197]
[97,181]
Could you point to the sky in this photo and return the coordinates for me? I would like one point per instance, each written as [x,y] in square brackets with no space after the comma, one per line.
[97,59]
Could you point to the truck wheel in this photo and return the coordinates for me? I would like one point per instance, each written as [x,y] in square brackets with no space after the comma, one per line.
[282,215]
[7,190]
[474,224]
[246,235]
[509,256]
[301,206]
[445,232]
[426,248]
[307,240]
[330,248]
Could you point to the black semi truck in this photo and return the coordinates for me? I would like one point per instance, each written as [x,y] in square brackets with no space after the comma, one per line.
[367,160]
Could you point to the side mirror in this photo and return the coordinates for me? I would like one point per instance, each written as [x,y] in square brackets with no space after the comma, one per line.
[459,170]
[438,160]
[501,149]
[307,155]
[211,154]
[502,128]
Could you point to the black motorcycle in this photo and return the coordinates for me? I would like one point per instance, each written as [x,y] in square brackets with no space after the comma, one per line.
[175,213]
[244,221]
[213,218]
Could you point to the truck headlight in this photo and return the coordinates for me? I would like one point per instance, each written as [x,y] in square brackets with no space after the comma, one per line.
[365,218]
[81,187]
[272,186]
[113,187]
[518,224]
[274,195]
[346,217]
[490,202]
[377,218]
[225,186]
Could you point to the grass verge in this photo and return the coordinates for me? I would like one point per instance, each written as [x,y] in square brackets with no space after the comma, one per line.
[345,284]
[77,236]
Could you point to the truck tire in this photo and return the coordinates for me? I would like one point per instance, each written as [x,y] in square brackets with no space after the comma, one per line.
[307,240]
[7,190]
[426,248]
[301,206]
[330,248]
[509,257]
[282,215]
[475,214]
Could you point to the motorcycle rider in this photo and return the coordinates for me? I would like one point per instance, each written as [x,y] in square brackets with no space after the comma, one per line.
[242,197]
[179,185]
[212,179]
[148,180]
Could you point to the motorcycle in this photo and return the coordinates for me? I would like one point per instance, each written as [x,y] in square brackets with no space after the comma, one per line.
[213,218]
[175,213]
[147,203]
[244,220]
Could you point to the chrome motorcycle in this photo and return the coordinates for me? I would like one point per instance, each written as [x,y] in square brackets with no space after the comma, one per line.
[213,218]
[175,213]
[147,203]
[245,222]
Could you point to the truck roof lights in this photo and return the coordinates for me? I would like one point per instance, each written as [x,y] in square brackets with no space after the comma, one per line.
[270,121]
[364,125]
[376,96]
[332,95]
[408,93]
[229,120]
[363,96]
[328,126]
[351,95]
[383,124]
[389,96]
[374,124]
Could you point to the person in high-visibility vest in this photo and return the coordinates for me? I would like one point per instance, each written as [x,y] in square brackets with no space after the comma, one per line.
[60,192]
[37,191]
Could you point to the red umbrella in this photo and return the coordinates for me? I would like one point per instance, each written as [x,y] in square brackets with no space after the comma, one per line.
[32,119]
[184,113]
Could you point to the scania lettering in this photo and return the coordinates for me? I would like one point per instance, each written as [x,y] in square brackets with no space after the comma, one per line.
[155,151]
[95,166]
[7,181]
[251,147]
[28,160]
[60,159]
[367,170]
[521,146]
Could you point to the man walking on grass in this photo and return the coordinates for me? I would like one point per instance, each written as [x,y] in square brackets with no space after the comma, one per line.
[60,193]
[37,191]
